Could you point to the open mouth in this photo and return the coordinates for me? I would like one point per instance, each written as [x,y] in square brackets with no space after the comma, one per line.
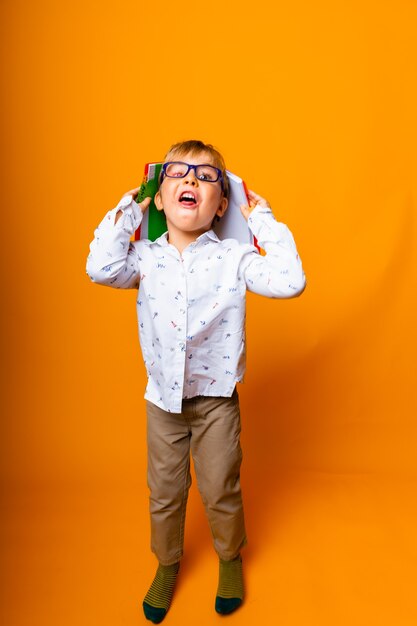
[187,198]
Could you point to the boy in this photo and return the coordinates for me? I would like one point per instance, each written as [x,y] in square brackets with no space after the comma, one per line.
[191,316]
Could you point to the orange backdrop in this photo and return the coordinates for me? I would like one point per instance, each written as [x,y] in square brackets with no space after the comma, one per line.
[314,105]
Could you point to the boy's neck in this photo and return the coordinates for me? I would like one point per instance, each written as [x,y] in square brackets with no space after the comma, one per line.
[181,239]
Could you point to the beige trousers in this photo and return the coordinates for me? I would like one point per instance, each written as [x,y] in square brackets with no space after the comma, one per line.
[209,427]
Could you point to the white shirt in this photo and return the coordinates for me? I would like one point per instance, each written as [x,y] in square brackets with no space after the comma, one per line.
[191,306]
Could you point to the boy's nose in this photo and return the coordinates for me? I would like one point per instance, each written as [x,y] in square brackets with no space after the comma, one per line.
[191,177]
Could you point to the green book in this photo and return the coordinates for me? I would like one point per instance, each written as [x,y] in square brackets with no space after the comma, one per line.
[154,223]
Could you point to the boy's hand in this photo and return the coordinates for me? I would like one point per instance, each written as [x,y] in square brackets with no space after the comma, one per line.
[254,200]
[143,205]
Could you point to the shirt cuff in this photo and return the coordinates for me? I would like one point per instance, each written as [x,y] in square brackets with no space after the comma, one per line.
[262,216]
[132,214]
[258,216]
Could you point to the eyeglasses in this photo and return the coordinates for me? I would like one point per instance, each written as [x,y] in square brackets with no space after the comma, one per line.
[204,172]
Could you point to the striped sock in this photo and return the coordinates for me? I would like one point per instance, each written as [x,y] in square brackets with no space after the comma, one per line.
[230,590]
[158,598]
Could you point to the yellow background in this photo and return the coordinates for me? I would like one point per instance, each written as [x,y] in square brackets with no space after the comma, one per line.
[314,105]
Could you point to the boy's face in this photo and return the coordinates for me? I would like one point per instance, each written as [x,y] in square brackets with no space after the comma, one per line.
[191,217]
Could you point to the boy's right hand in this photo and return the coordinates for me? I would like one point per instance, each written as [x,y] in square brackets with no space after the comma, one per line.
[143,205]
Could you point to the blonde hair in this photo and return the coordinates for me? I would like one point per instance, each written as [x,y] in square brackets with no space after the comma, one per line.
[195,147]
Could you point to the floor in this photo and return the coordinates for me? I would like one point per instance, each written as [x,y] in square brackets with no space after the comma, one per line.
[338,550]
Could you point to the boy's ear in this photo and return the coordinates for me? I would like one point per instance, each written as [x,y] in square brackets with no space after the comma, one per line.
[158,201]
[222,208]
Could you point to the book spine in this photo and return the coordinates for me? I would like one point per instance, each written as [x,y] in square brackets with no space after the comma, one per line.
[141,196]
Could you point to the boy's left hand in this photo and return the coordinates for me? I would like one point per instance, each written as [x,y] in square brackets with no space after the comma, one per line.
[254,200]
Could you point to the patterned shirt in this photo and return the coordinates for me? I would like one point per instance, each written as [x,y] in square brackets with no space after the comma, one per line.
[191,306]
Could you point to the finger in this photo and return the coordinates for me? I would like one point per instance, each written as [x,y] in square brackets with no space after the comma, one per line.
[245,211]
[255,196]
[132,192]
[259,199]
[252,194]
[145,203]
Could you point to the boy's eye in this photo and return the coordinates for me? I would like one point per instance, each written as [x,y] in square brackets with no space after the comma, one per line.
[176,170]
[206,174]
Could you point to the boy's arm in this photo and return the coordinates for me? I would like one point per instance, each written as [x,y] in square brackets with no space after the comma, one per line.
[113,259]
[278,274]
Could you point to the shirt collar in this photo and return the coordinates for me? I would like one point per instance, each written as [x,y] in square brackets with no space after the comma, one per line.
[209,234]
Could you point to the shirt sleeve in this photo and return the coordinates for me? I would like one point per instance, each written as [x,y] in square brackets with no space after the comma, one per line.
[278,274]
[113,259]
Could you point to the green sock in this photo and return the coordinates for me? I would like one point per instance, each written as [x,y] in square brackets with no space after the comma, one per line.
[158,598]
[230,590]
